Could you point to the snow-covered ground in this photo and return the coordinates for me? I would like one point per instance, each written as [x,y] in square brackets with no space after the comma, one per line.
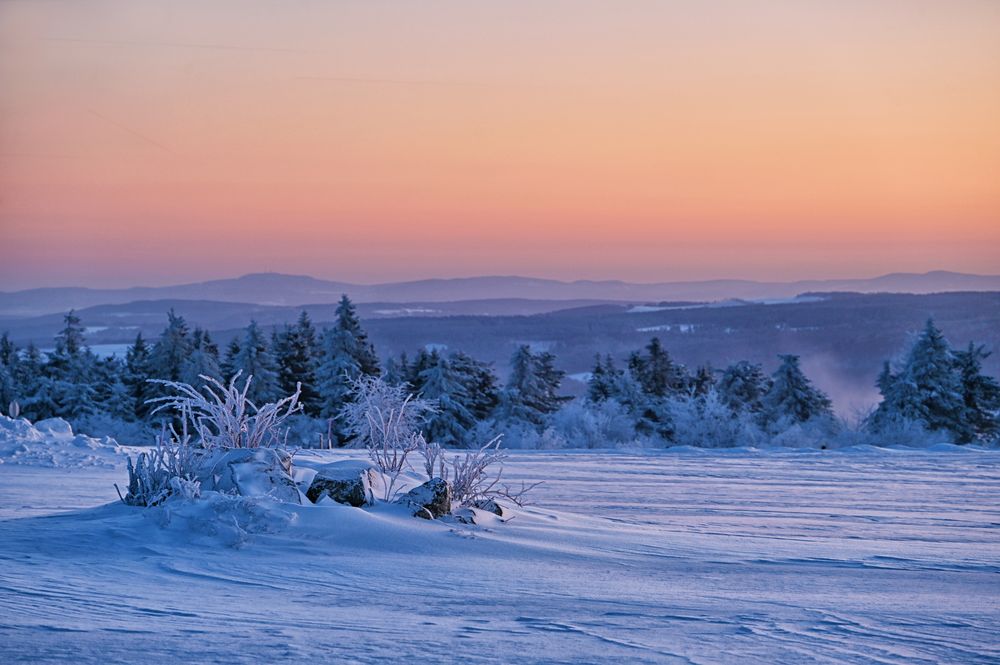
[860,555]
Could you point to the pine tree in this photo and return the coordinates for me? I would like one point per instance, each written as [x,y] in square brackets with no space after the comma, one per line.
[203,361]
[450,423]
[355,339]
[703,381]
[346,354]
[531,393]
[136,378]
[658,375]
[172,349]
[980,396]
[71,372]
[296,351]
[927,389]
[9,389]
[478,382]
[604,381]
[254,360]
[792,397]
[742,386]
[228,364]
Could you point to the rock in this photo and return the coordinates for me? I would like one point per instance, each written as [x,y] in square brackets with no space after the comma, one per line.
[489,505]
[430,500]
[249,472]
[351,482]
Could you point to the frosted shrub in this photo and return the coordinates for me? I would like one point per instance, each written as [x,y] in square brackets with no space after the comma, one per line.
[898,430]
[168,469]
[386,420]
[222,416]
[708,422]
[585,424]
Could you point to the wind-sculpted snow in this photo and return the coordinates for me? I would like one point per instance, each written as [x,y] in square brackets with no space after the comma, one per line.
[52,443]
[865,555]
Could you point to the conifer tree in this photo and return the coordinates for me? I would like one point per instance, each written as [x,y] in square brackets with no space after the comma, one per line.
[792,398]
[166,360]
[743,385]
[980,396]
[531,393]
[927,389]
[136,378]
[296,351]
[656,372]
[451,420]
[254,360]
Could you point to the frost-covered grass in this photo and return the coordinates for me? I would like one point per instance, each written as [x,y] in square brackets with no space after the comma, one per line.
[859,555]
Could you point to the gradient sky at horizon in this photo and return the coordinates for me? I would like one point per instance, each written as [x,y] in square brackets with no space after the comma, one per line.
[153,143]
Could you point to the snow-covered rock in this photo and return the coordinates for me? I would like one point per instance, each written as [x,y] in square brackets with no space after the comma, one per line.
[488,505]
[52,443]
[249,472]
[430,500]
[353,482]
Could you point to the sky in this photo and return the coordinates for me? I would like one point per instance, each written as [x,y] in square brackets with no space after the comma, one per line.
[162,142]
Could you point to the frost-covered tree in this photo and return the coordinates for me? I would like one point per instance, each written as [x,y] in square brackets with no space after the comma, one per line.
[792,398]
[449,425]
[296,351]
[166,360]
[397,371]
[656,372]
[71,371]
[743,385]
[703,381]
[479,383]
[227,364]
[707,421]
[136,378]
[254,360]
[9,389]
[980,396]
[531,393]
[926,389]
[203,361]
[604,381]
[347,354]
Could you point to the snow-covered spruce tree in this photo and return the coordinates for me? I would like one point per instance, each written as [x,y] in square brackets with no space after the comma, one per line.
[604,380]
[9,360]
[203,361]
[742,386]
[980,396]
[531,393]
[254,360]
[656,372]
[296,350]
[926,389]
[37,400]
[71,371]
[792,399]
[227,363]
[347,354]
[397,371]
[479,382]
[452,420]
[166,360]
[136,378]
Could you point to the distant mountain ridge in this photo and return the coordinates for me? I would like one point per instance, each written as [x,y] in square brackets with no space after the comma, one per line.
[292,290]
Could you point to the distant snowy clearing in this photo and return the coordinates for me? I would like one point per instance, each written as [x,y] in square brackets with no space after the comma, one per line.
[862,555]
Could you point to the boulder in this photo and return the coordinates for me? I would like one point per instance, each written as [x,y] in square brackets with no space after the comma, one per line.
[249,472]
[351,482]
[489,505]
[430,500]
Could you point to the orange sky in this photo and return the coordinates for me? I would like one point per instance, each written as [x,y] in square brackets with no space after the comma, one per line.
[151,143]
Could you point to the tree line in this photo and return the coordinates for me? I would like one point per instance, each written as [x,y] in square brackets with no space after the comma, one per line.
[650,397]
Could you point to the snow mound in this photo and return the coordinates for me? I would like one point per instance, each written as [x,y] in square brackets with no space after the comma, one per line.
[52,443]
